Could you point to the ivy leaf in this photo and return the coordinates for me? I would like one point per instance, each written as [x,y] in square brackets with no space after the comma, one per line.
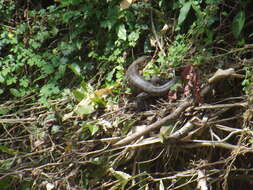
[184,12]
[238,23]
[122,33]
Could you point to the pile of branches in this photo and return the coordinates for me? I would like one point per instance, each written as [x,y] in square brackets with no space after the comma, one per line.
[207,143]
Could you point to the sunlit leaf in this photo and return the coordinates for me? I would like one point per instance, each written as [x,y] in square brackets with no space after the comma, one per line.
[86,87]
[85,109]
[122,33]
[91,127]
[78,95]
[99,101]
[86,106]
[133,37]
[75,68]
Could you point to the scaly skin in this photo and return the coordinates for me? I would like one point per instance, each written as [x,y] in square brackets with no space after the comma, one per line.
[142,85]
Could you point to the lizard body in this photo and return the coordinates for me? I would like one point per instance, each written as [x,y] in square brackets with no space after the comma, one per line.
[140,84]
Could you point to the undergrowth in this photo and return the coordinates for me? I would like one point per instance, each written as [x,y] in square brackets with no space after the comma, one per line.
[65,102]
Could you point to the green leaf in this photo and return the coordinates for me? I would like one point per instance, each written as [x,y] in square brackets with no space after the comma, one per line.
[34,44]
[49,89]
[48,69]
[86,87]
[7,150]
[133,37]
[122,33]
[238,23]
[4,111]
[6,164]
[11,80]
[24,82]
[55,129]
[1,78]
[184,12]
[78,95]
[99,101]
[75,68]
[14,92]
[5,183]
[85,107]
[110,75]
[91,127]
[121,176]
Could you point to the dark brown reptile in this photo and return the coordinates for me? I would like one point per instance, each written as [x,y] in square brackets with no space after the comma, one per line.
[137,82]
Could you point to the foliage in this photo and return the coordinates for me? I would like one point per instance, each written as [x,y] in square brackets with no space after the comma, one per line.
[38,53]
[248,81]
[38,56]
[48,47]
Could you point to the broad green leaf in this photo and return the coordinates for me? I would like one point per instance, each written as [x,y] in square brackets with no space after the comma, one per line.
[133,37]
[184,12]
[75,68]
[238,23]
[85,109]
[122,33]
[110,75]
